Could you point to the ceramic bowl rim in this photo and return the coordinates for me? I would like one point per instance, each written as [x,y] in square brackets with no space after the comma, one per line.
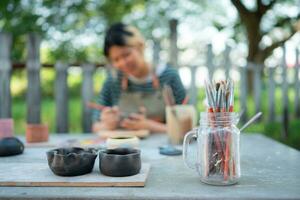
[134,152]
[89,151]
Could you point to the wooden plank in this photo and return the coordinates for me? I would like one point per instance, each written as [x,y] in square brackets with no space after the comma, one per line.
[5,75]
[271,94]
[173,42]
[243,93]
[33,77]
[62,141]
[156,50]
[227,61]
[193,90]
[115,133]
[209,61]
[297,86]
[285,98]
[39,174]
[61,98]
[87,93]
[257,87]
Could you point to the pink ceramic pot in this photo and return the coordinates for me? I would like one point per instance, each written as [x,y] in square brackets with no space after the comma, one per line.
[6,128]
[36,133]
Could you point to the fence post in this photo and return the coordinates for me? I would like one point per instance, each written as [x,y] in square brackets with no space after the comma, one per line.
[257,86]
[285,98]
[243,93]
[61,98]
[87,92]
[209,61]
[156,50]
[5,73]
[271,86]
[297,86]
[193,92]
[173,42]
[33,77]
[227,62]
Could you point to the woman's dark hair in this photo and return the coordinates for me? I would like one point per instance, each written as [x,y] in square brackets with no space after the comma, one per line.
[119,34]
[115,35]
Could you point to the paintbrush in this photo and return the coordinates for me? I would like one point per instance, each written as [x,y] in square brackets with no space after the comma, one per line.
[95,106]
[169,98]
[101,107]
[170,94]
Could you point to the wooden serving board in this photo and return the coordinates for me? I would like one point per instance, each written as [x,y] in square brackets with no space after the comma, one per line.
[39,174]
[40,144]
[87,142]
[116,133]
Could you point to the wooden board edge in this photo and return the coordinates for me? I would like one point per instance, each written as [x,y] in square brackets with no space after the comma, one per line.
[86,184]
[64,184]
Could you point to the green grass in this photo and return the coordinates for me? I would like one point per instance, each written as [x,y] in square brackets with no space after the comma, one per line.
[19,115]
[48,114]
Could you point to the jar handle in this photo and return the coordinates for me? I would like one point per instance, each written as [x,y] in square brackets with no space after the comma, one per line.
[186,143]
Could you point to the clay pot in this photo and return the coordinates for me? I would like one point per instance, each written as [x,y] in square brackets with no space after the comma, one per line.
[120,162]
[36,133]
[10,146]
[122,142]
[71,161]
[6,128]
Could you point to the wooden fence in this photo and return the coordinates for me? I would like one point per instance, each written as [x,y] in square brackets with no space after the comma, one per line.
[34,99]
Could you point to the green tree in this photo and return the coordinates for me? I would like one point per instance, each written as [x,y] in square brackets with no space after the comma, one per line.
[60,22]
[262,22]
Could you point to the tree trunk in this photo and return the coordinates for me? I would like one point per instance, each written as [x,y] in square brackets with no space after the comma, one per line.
[254,36]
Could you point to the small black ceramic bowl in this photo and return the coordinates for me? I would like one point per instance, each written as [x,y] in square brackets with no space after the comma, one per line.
[11,146]
[71,161]
[120,162]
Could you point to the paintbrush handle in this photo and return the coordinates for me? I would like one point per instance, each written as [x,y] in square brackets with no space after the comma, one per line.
[185,100]
[251,120]
[95,106]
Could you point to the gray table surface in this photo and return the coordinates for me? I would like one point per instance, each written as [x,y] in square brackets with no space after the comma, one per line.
[270,170]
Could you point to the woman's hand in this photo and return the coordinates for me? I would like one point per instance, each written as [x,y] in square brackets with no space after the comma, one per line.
[110,118]
[135,122]
[138,121]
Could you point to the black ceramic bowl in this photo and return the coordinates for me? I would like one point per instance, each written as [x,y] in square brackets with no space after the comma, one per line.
[120,162]
[71,161]
[11,146]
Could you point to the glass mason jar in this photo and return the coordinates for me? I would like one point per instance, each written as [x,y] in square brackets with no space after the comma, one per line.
[218,157]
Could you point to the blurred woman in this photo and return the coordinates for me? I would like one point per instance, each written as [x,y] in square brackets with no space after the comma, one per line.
[132,92]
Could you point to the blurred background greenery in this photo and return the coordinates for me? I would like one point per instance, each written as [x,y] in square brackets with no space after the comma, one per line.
[72,31]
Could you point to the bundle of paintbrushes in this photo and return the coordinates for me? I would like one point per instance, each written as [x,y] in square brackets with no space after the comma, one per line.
[220,96]
[221,135]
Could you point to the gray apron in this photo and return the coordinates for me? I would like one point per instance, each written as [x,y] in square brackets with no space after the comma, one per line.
[131,101]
